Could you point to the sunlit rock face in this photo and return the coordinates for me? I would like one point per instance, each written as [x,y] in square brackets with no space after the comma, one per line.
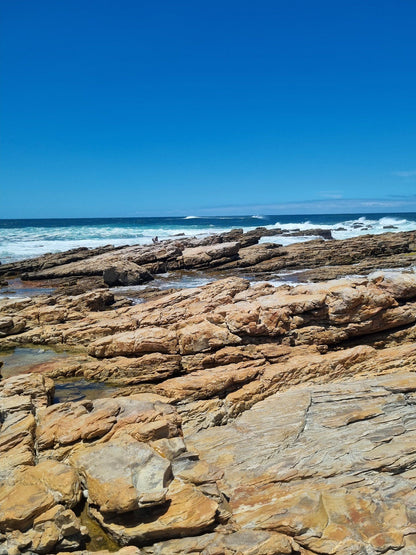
[120,453]
[242,418]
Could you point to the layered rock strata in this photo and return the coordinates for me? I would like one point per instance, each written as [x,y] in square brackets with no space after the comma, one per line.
[249,419]
[216,350]
[317,469]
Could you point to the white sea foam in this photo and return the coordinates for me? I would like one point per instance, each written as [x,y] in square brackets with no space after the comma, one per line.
[21,243]
[349,228]
[17,243]
[364,226]
[278,282]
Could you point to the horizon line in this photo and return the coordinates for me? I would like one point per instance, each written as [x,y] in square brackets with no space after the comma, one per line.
[193,216]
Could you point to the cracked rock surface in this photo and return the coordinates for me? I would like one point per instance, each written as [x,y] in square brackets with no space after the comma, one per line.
[248,420]
[126,456]
[331,466]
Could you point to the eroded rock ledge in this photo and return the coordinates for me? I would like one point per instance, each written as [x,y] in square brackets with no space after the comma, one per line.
[216,350]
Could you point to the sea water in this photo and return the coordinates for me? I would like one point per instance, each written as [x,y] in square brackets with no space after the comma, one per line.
[20,239]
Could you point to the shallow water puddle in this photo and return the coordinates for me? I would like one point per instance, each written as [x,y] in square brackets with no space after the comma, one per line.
[17,288]
[174,280]
[99,539]
[77,389]
[23,360]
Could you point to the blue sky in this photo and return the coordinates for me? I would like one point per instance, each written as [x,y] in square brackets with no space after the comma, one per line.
[125,108]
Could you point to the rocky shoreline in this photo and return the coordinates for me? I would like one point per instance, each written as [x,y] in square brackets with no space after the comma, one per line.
[247,418]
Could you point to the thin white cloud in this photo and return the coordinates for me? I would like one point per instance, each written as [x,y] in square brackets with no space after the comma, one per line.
[330,194]
[409,198]
[324,206]
[381,203]
[406,173]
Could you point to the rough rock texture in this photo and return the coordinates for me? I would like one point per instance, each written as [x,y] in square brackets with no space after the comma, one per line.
[252,419]
[20,397]
[126,273]
[126,455]
[130,550]
[32,490]
[123,475]
[217,349]
[187,511]
[314,469]
[329,466]
[233,251]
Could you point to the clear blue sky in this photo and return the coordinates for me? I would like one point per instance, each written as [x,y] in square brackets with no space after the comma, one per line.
[130,107]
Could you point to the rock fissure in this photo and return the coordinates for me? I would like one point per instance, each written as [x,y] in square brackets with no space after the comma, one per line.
[305,420]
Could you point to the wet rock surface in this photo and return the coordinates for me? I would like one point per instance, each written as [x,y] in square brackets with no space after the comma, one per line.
[248,419]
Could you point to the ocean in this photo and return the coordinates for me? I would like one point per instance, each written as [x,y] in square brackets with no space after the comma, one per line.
[21,239]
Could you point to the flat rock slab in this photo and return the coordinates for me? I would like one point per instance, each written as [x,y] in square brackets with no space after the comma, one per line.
[329,466]
[244,542]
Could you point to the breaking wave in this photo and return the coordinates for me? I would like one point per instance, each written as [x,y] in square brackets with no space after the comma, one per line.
[21,239]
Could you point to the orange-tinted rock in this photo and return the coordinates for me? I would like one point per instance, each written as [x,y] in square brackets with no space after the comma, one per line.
[141,417]
[35,489]
[204,336]
[186,512]
[203,384]
[143,340]
[123,475]
[38,388]
[324,464]
[66,423]
[299,401]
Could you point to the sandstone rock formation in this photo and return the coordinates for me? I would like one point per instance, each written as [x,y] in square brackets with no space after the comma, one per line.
[248,419]
[120,453]
[227,341]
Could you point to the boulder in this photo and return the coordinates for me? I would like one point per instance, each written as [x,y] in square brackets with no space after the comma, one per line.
[35,489]
[187,512]
[126,273]
[123,475]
